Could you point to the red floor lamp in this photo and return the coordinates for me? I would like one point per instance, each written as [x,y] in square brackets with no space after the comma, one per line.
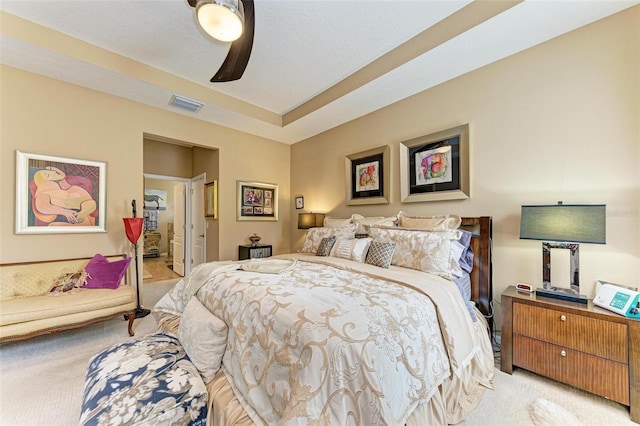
[133,229]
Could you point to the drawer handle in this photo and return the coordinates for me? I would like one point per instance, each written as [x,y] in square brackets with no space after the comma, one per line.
[563,353]
[563,318]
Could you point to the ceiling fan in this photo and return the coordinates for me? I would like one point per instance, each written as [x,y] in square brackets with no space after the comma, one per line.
[228,20]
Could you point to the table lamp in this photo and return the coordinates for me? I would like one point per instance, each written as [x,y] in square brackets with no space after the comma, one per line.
[566,225]
[310,220]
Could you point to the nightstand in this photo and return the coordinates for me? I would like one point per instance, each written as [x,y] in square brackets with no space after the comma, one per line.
[581,345]
[254,252]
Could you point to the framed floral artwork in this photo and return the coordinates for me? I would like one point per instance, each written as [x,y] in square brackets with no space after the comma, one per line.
[256,201]
[436,166]
[59,195]
[367,177]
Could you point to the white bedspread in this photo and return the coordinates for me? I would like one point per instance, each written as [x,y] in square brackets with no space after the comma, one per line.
[332,341]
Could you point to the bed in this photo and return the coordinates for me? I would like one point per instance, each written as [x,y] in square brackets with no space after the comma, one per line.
[305,338]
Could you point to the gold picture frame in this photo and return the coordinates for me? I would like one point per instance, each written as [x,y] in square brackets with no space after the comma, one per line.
[435,167]
[374,165]
[256,201]
[211,200]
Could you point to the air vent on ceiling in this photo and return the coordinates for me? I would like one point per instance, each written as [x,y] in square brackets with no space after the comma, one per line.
[185,103]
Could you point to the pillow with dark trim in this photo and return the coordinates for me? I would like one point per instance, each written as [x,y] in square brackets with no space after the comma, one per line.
[380,254]
[104,274]
[326,244]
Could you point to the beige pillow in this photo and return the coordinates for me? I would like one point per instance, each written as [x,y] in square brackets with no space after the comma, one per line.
[428,251]
[365,222]
[351,248]
[204,338]
[429,222]
[315,235]
[336,222]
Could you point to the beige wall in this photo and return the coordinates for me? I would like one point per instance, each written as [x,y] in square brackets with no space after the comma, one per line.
[46,116]
[559,121]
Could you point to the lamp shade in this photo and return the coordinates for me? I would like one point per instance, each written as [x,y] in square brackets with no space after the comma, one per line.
[578,223]
[310,220]
[133,228]
[221,19]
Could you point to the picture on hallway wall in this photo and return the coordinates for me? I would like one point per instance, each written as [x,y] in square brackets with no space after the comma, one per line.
[59,195]
[155,199]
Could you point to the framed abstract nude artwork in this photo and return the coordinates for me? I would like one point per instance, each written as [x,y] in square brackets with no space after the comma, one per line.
[257,201]
[59,195]
[435,167]
[367,177]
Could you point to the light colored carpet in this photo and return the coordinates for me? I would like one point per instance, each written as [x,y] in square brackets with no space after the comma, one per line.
[42,379]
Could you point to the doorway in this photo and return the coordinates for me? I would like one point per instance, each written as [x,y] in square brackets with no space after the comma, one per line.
[178,161]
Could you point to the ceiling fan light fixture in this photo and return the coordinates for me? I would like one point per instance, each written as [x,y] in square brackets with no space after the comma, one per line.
[221,19]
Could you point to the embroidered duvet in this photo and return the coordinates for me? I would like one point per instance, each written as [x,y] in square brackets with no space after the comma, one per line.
[330,341]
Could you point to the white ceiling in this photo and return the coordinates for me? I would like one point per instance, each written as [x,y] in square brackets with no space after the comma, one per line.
[302,49]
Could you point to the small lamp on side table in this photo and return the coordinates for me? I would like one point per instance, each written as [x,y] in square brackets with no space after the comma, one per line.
[567,225]
[310,220]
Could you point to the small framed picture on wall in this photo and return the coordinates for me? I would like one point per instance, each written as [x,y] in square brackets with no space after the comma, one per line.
[299,202]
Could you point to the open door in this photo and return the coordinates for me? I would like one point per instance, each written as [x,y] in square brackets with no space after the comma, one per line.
[179,215]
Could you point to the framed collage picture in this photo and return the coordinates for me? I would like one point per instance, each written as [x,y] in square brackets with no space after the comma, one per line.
[367,177]
[59,195]
[257,201]
[435,167]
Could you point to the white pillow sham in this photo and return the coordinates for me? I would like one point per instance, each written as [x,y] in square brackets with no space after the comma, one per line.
[365,222]
[315,235]
[450,221]
[428,251]
[337,222]
[204,338]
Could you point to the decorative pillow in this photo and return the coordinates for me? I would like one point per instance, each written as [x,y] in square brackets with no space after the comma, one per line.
[365,222]
[324,249]
[337,222]
[351,248]
[429,222]
[105,274]
[315,235]
[380,254]
[466,257]
[67,282]
[428,251]
[204,337]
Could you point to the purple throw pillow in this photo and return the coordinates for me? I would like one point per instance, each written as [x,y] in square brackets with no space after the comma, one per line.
[105,274]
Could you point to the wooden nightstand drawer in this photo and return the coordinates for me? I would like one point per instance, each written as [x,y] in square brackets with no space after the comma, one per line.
[590,335]
[591,373]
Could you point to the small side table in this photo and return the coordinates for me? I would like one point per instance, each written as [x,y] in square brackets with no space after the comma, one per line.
[254,252]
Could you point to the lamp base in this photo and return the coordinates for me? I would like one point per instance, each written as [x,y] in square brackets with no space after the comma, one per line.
[142,312]
[556,293]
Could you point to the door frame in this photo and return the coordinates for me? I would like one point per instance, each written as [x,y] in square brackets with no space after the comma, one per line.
[187,214]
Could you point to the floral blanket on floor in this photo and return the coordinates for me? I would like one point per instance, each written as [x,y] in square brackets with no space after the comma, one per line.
[145,381]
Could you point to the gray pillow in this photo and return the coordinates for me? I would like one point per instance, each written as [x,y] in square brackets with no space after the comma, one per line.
[325,246]
[380,254]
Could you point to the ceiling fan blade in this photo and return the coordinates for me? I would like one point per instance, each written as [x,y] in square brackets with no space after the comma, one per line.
[238,57]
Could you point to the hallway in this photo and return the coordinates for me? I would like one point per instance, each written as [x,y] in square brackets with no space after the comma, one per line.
[157,269]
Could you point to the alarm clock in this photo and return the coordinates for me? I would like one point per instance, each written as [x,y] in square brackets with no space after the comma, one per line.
[524,287]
